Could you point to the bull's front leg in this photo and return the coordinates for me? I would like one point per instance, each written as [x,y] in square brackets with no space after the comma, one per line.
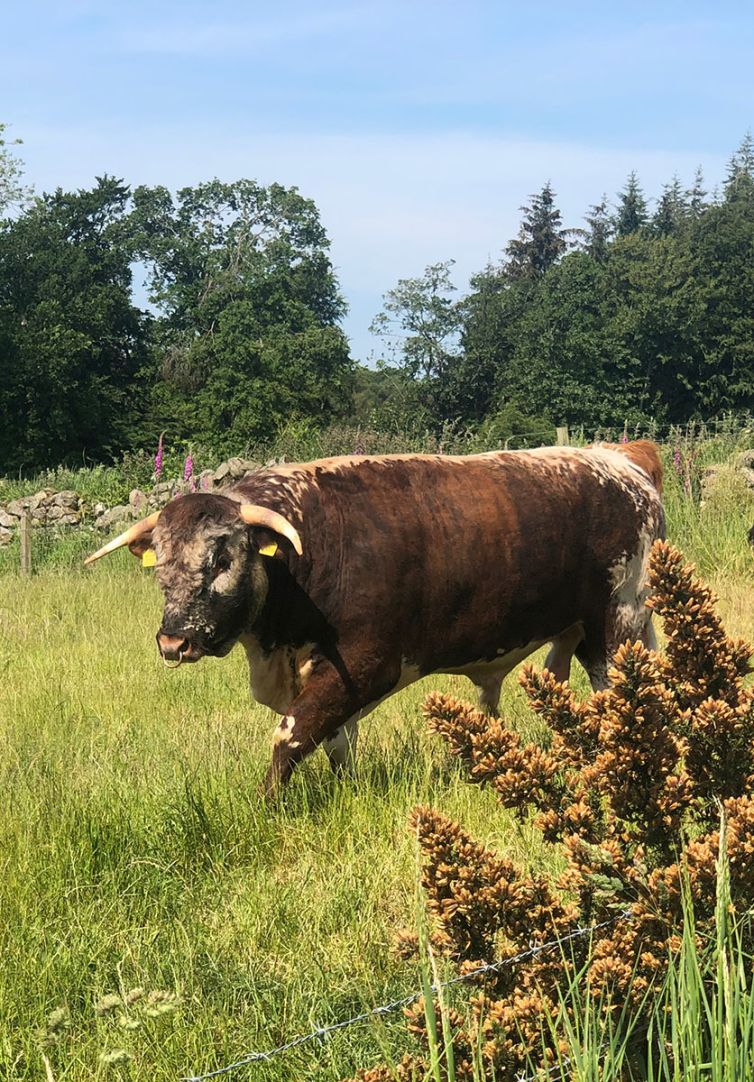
[321,713]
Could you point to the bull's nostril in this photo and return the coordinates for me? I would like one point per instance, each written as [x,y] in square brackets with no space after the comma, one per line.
[172,647]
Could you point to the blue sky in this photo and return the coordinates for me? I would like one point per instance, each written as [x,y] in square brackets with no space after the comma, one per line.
[419,128]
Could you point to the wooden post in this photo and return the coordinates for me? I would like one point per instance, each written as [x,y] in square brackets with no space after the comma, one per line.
[561,437]
[25,534]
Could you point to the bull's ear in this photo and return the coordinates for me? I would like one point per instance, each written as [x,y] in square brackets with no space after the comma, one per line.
[141,545]
[134,536]
[270,522]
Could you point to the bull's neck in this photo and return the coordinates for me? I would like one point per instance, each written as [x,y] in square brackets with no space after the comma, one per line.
[287,616]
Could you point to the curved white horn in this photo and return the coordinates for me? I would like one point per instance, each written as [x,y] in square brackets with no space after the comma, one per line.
[254,515]
[129,535]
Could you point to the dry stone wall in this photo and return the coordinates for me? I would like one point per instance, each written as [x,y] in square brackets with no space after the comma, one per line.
[48,508]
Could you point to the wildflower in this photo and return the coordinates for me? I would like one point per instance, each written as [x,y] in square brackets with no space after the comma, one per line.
[126,1022]
[678,461]
[58,1019]
[188,471]
[158,459]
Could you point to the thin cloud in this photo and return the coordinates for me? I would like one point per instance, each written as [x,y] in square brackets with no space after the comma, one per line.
[240,36]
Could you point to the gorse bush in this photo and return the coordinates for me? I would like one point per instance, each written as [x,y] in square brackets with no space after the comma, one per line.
[629,792]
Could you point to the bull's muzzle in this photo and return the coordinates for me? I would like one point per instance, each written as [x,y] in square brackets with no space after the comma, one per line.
[174,649]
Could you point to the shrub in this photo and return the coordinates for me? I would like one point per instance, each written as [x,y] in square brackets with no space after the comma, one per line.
[629,791]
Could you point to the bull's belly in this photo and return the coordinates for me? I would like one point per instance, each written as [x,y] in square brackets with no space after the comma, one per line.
[277,677]
[482,670]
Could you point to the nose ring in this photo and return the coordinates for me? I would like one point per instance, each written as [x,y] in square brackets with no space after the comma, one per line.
[173,664]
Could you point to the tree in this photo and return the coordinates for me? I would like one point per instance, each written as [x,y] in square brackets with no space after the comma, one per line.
[597,236]
[420,320]
[632,208]
[248,336]
[541,241]
[72,344]
[696,195]
[12,191]
[491,316]
[672,210]
[739,183]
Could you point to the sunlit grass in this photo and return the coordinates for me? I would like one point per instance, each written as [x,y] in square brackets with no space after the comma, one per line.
[136,851]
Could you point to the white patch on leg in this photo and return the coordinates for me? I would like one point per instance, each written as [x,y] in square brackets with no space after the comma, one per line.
[284,731]
[489,695]
[341,747]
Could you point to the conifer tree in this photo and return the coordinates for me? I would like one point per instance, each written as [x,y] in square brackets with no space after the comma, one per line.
[671,209]
[600,231]
[541,240]
[696,195]
[632,208]
[739,183]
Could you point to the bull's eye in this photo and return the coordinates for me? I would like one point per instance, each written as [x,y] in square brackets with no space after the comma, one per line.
[222,563]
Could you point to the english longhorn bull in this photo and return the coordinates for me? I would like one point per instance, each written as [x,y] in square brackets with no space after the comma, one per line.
[345,579]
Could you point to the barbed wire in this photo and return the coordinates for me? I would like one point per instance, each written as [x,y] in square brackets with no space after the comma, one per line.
[405,1001]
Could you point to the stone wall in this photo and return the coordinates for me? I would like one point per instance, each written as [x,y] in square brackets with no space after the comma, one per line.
[49,508]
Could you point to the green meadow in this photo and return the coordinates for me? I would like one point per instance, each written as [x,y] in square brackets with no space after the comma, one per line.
[136,853]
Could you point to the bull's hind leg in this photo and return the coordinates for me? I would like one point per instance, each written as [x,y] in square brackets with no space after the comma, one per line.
[560,654]
[489,695]
[624,622]
[649,635]
[593,655]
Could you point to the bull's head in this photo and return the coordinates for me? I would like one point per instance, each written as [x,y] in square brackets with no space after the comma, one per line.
[209,567]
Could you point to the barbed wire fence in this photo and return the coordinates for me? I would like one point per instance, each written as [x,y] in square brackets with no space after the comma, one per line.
[322,1032]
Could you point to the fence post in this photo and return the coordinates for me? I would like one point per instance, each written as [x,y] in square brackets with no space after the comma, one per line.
[561,436]
[25,535]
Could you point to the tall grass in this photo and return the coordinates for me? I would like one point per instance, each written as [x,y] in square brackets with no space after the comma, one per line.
[697,1026]
[135,851]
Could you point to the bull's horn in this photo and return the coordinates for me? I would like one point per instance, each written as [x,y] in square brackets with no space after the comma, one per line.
[254,515]
[126,538]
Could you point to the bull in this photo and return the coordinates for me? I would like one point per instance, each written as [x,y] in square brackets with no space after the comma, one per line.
[346,579]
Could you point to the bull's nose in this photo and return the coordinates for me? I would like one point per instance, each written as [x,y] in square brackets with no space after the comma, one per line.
[172,647]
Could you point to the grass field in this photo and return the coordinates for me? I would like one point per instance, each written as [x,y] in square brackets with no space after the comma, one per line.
[136,852]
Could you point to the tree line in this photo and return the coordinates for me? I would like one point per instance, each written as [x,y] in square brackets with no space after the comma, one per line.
[643,313]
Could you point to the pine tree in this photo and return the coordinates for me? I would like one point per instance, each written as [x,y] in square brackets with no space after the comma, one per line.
[632,208]
[597,236]
[696,195]
[739,183]
[541,241]
[671,209]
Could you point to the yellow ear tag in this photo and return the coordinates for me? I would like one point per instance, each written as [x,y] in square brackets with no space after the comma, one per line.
[148,558]
[269,550]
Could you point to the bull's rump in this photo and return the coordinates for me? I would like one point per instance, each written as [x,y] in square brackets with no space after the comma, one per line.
[443,562]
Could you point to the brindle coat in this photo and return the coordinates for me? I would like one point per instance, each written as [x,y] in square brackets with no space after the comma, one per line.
[411,565]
